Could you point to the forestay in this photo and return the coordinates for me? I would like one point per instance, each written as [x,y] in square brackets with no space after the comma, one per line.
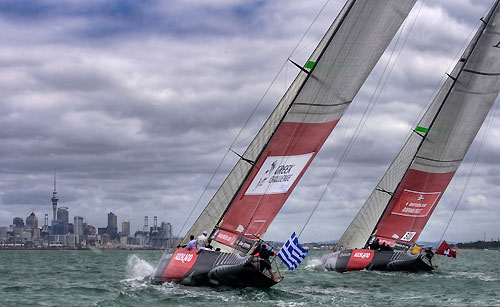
[254,192]
[408,193]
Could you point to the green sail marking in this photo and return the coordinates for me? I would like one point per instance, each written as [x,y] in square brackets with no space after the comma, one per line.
[309,64]
[421,129]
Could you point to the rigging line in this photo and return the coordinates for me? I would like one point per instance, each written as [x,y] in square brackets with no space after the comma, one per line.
[251,115]
[367,111]
[203,193]
[476,159]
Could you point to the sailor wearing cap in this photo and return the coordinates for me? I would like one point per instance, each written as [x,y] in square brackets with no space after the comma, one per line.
[202,241]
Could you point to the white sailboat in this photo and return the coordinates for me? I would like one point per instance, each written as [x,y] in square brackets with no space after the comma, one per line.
[399,207]
[253,193]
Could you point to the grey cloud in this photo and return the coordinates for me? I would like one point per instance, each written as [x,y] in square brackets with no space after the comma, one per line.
[135,105]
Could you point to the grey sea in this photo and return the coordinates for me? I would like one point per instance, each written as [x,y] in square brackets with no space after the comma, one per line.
[121,278]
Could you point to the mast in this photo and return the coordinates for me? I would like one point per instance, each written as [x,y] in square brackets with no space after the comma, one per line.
[253,193]
[404,199]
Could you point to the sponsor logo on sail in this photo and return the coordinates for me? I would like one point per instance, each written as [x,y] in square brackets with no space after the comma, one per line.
[277,174]
[415,204]
[226,238]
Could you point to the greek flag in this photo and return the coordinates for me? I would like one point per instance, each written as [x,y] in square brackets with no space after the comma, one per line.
[292,253]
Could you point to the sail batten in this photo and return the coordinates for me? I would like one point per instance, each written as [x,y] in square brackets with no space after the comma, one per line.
[424,167]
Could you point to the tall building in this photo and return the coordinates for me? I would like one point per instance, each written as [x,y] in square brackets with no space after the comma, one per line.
[126,227]
[62,221]
[18,222]
[112,220]
[78,227]
[45,228]
[32,223]
[112,229]
[54,200]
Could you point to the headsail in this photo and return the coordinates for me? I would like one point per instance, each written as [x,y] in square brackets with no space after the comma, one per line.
[255,191]
[404,199]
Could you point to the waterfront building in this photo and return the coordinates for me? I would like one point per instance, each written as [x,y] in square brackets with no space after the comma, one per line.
[3,234]
[78,228]
[32,221]
[126,228]
[112,229]
[89,230]
[60,226]
[70,240]
[18,222]
[32,224]
[160,237]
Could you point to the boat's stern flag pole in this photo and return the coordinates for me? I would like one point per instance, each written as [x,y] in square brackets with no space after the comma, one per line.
[292,253]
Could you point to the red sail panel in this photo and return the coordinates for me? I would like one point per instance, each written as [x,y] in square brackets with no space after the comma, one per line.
[412,205]
[283,162]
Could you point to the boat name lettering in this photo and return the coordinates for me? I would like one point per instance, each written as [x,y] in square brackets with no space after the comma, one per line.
[345,255]
[184,257]
[362,255]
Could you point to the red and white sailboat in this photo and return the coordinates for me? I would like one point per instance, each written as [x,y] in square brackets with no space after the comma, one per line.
[402,202]
[257,187]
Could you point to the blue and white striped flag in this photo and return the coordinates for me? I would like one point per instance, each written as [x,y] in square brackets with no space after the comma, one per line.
[292,253]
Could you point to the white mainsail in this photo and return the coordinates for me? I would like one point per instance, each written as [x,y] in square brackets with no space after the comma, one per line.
[428,160]
[301,122]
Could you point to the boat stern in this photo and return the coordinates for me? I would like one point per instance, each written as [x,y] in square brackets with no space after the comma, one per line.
[174,267]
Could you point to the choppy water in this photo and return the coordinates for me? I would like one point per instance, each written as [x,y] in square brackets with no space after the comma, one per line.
[120,278]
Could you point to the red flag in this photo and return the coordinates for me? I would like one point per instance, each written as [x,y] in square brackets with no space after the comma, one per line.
[445,249]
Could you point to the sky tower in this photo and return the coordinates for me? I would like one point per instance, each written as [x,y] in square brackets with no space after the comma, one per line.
[54,200]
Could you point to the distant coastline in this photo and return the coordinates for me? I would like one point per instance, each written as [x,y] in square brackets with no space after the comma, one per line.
[479,245]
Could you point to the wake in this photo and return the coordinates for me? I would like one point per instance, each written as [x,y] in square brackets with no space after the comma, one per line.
[314,264]
[138,272]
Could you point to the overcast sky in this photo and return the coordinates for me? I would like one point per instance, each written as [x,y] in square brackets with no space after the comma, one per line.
[135,103]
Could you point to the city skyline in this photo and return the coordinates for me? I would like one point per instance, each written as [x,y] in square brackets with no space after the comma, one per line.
[61,233]
[136,106]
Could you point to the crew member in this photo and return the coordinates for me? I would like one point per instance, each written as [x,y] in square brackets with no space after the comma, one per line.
[191,244]
[429,254]
[375,244]
[202,241]
[265,263]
